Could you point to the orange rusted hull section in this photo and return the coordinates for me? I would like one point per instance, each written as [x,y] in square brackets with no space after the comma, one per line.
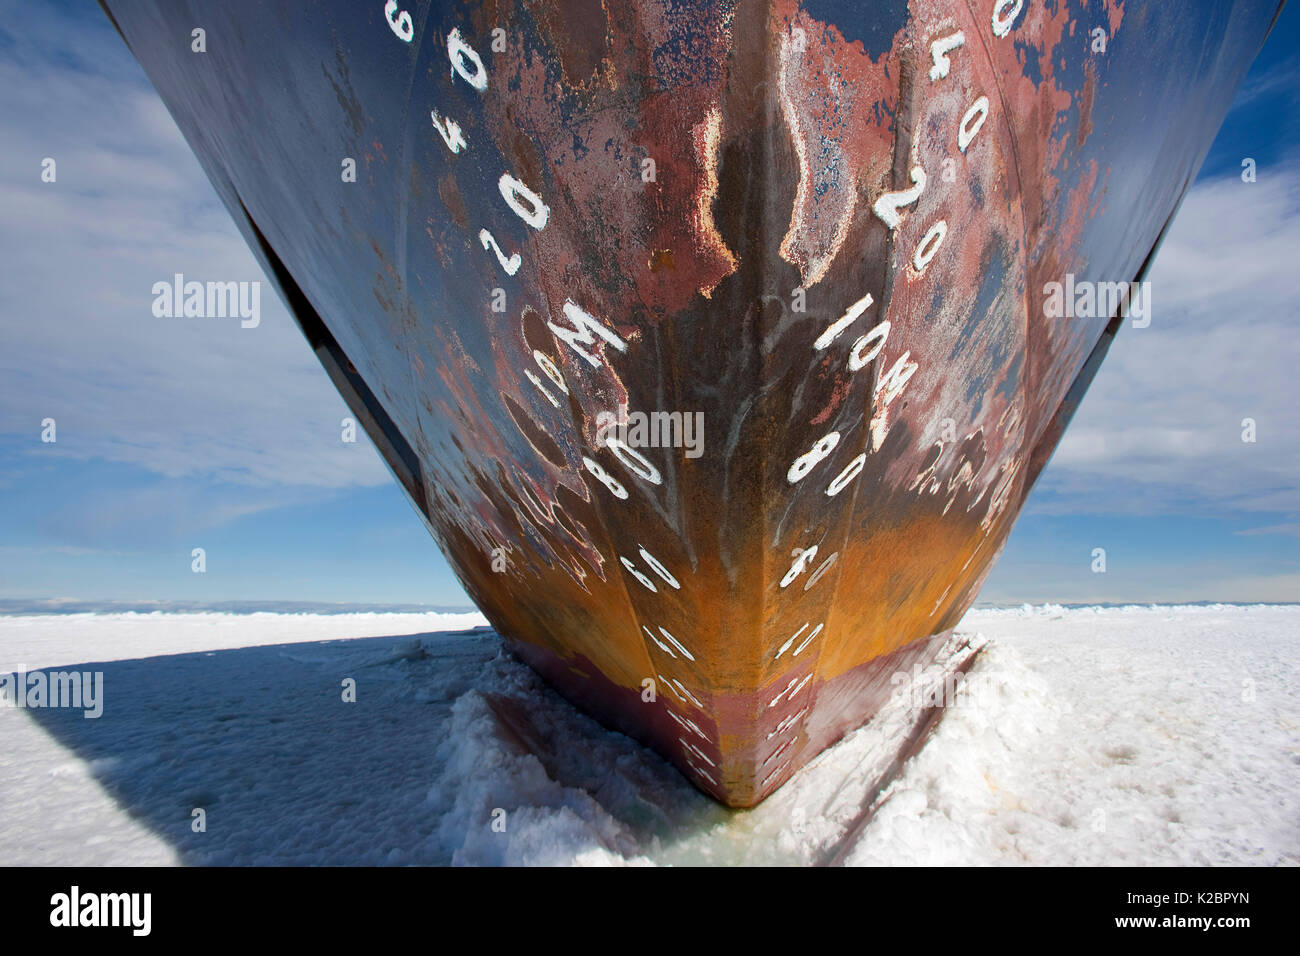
[823,231]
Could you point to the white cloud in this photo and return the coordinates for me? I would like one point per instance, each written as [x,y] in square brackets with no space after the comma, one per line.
[1160,430]
[1279,79]
[187,398]
[1288,527]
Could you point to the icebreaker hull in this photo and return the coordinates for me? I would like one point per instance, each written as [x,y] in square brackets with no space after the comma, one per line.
[797,255]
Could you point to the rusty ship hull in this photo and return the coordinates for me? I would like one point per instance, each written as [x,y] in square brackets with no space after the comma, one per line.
[816,235]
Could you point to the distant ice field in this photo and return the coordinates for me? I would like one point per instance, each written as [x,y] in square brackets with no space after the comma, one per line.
[1129,735]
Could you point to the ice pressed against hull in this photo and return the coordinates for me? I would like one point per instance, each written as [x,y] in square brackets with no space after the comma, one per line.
[825,229]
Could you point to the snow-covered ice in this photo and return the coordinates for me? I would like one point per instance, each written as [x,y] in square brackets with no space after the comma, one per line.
[1143,735]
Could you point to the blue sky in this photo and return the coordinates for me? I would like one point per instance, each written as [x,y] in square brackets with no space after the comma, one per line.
[175,436]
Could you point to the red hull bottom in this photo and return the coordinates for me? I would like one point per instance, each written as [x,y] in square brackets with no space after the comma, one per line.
[842,705]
